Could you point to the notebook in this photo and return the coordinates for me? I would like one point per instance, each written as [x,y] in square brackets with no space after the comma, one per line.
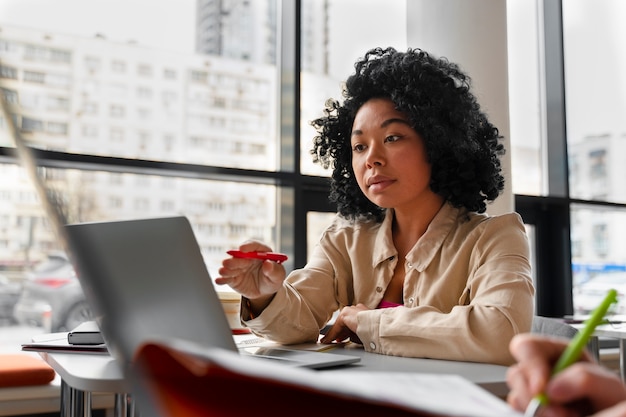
[146,279]
[86,333]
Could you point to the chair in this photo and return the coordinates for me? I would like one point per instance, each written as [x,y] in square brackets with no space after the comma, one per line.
[558,328]
[552,326]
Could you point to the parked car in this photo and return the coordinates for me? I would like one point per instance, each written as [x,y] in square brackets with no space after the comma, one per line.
[589,295]
[9,293]
[52,292]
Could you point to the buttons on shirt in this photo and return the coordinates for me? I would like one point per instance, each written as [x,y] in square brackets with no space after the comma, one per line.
[411,300]
[372,345]
[379,289]
[409,265]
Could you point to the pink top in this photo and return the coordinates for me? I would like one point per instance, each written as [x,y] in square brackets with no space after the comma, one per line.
[387,304]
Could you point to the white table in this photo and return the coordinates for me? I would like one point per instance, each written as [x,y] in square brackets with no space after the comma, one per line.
[83,374]
[488,376]
[616,331]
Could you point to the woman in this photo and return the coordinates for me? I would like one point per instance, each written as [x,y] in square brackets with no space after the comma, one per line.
[410,261]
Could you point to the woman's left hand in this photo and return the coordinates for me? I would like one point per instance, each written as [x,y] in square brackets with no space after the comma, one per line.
[345,325]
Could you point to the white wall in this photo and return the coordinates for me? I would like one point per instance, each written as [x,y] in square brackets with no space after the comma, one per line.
[473,34]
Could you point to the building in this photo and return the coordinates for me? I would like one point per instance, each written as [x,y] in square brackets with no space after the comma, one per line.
[599,237]
[94,96]
[238,29]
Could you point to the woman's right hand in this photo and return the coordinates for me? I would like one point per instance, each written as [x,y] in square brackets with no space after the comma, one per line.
[584,384]
[252,278]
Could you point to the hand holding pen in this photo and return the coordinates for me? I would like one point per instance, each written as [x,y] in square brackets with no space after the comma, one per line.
[563,373]
[253,279]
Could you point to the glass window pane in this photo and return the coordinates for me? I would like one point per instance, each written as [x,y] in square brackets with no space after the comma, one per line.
[114,83]
[595,64]
[598,258]
[196,83]
[223,214]
[316,223]
[335,33]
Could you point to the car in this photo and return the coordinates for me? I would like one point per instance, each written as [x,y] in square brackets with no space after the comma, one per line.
[52,296]
[588,295]
[9,294]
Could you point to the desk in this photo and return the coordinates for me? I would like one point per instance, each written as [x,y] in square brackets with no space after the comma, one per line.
[490,377]
[615,331]
[82,374]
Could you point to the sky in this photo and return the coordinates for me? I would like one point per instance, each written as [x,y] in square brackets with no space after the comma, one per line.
[167,24]
[170,24]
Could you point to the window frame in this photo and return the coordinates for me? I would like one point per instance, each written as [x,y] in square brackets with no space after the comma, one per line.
[297,193]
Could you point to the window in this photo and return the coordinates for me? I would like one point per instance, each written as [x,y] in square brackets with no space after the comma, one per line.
[118,66]
[567,133]
[10,96]
[8,72]
[55,103]
[144,93]
[32,125]
[169,74]
[144,70]
[57,128]
[221,117]
[92,63]
[90,108]
[117,111]
[61,56]
[325,65]
[34,77]
[89,131]
[58,80]
[596,131]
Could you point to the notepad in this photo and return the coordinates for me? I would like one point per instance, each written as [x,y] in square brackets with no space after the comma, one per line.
[58,343]
[87,333]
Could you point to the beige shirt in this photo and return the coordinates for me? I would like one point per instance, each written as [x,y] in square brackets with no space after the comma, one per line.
[467,289]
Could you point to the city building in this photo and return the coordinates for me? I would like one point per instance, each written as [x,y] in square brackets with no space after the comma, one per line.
[94,96]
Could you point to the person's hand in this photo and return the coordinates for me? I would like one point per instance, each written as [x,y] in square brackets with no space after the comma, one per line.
[252,278]
[585,385]
[345,325]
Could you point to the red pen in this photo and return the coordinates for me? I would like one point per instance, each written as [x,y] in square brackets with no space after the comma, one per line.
[272,256]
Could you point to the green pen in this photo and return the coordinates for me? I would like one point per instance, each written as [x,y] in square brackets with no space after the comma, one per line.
[575,348]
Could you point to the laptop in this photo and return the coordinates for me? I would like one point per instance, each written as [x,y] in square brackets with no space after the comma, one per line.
[146,279]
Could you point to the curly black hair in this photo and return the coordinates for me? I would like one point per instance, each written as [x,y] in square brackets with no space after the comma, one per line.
[462,146]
